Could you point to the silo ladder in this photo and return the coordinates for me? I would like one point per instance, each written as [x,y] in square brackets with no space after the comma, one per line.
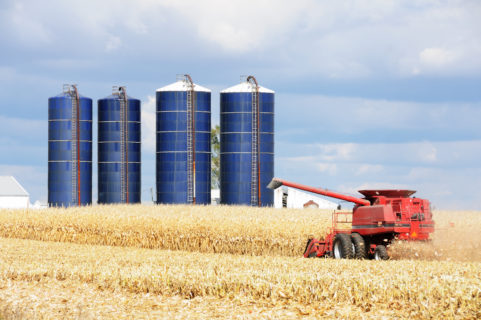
[73,92]
[124,152]
[255,161]
[191,187]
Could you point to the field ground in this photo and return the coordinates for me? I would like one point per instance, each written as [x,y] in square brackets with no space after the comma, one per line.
[101,265]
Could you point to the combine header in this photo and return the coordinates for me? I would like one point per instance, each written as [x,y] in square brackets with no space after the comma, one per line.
[379,218]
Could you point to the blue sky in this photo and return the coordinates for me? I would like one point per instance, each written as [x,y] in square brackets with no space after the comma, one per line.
[369,94]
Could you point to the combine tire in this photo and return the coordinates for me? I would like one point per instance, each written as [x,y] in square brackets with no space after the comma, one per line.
[380,253]
[342,246]
[360,250]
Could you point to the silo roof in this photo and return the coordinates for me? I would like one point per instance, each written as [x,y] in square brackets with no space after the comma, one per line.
[116,96]
[63,95]
[182,86]
[245,87]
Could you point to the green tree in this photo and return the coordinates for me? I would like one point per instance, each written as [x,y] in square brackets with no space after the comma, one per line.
[215,162]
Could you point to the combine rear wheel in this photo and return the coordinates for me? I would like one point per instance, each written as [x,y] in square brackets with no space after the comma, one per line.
[360,251]
[343,247]
[380,253]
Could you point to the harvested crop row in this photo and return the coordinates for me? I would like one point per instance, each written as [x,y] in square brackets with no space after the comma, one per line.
[414,289]
[210,229]
[70,299]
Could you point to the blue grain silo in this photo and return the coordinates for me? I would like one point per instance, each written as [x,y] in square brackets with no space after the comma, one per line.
[246,144]
[183,143]
[119,148]
[69,149]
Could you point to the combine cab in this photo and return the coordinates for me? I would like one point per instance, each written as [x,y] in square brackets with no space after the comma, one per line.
[375,221]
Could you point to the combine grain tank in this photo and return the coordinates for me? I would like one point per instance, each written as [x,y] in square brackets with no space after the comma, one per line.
[69,149]
[246,144]
[183,143]
[119,148]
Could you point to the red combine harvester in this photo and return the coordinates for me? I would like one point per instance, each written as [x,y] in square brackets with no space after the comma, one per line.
[378,219]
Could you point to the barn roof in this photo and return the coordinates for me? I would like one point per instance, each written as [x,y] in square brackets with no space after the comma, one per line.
[9,186]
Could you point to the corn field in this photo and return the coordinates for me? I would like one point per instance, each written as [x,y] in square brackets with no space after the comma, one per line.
[218,229]
[224,262]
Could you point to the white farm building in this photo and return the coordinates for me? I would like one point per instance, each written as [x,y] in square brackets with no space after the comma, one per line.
[12,194]
[286,197]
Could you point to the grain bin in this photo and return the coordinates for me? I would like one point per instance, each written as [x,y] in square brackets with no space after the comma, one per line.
[69,149]
[246,144]
[183,143]
[119,159]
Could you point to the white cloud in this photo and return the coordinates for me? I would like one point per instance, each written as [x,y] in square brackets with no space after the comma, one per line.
[113,43]
[366,169]
[148,124]
[329,168]
[337,151]
[68,64]
[26,28]
[371,155]
[13,128]
[436,57]
[241,26]
[427,152]
[344,40]
[319,116]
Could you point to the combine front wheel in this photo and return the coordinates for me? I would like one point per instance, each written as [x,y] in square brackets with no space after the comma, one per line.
[343,247]
[380,253]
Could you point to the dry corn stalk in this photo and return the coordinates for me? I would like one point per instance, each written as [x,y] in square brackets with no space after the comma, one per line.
[213,229]
[413,289]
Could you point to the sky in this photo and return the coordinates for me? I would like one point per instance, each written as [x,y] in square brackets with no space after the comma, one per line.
[369,93]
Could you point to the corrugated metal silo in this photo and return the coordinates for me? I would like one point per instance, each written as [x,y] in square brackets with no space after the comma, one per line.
[69,149]
[246,144]
[119,178]
[183,143]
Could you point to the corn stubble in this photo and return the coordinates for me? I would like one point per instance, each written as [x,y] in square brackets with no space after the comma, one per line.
[410,289]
